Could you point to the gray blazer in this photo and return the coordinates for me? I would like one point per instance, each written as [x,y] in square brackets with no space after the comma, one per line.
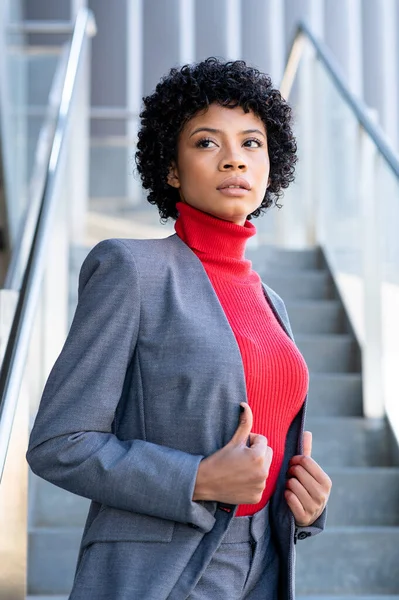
[148,383]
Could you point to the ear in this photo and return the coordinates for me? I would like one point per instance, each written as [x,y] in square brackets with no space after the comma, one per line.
[173,176]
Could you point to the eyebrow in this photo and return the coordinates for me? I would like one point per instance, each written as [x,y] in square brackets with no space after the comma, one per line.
[209,129]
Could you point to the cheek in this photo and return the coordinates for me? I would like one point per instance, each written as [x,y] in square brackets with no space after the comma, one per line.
[262,170]
[265,162]
[261,161]
[194,172]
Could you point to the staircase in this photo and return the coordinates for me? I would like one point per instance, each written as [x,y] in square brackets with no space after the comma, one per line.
[358,554]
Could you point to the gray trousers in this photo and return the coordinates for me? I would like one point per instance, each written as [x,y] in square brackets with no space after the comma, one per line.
[245,566]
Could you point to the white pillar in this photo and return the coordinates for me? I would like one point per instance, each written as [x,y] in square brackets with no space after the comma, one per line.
[218,30]
[380,49]
[263,36]
[372,351]
[187,31]
[233,27]
[134,90]
[389,64]
[343,34]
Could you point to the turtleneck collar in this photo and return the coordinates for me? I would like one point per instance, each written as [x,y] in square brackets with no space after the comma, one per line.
[219,244]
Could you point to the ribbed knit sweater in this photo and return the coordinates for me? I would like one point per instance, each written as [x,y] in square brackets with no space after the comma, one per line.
[276,374]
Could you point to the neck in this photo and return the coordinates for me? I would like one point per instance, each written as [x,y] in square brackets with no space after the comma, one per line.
[219,244]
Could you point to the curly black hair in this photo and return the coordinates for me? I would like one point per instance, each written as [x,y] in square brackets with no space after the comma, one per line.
[192,88]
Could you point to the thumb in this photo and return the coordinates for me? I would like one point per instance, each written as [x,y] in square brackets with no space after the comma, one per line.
[307,443]
[245,425]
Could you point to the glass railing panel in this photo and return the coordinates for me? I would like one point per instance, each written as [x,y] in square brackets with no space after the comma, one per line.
[322,206]
[338,202]
[28,76]
[346,199]
[387,199]
[13,96]
[41,70]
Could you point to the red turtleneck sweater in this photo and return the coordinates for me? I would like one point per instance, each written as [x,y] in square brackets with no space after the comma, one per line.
[275,372]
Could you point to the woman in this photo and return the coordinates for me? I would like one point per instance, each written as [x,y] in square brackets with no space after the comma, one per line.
[171,338]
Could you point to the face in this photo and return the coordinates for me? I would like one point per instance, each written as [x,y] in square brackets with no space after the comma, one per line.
[213,146]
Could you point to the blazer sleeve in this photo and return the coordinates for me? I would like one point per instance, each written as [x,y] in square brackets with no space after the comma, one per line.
[72,443]
[303,532]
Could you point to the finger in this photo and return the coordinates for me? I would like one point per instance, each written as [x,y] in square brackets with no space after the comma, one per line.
[307,443]
[252,437]
[245,425]
[258,438]
[311,466]
[306,500]
[260,446]
[313,487]
[311,507]
[295,506]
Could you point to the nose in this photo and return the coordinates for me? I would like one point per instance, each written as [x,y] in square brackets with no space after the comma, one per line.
[233,162]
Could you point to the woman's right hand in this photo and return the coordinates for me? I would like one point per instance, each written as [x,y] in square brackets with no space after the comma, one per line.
[237,473]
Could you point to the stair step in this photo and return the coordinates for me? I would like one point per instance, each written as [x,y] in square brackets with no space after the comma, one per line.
[299,285]
[350,442]
[52,556]
[356,498]
[335,394]
[329,353]
[273,257]
[316,316]
[55,507]
[349,560]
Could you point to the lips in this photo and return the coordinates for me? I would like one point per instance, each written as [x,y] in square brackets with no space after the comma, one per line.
[240,181]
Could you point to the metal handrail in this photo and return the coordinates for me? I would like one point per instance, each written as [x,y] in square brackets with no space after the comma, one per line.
[358,108]
[12,368]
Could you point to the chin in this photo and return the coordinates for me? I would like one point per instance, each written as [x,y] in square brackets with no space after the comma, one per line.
[234,217]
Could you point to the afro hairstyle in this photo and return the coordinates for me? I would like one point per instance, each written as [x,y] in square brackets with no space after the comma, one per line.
[186,91]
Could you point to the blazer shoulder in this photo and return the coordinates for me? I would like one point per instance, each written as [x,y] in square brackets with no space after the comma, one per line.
[143,256]
[156,254]
[108,259]
[126,248]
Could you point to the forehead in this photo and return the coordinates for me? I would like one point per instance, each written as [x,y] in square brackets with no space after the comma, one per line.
[224,118]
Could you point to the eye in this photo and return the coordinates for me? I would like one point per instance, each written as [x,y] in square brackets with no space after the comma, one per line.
[255,140]
[204,141]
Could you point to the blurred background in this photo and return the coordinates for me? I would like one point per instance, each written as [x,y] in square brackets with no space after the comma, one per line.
[72,77]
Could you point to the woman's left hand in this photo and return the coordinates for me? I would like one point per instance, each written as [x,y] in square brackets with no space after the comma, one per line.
[308,486]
